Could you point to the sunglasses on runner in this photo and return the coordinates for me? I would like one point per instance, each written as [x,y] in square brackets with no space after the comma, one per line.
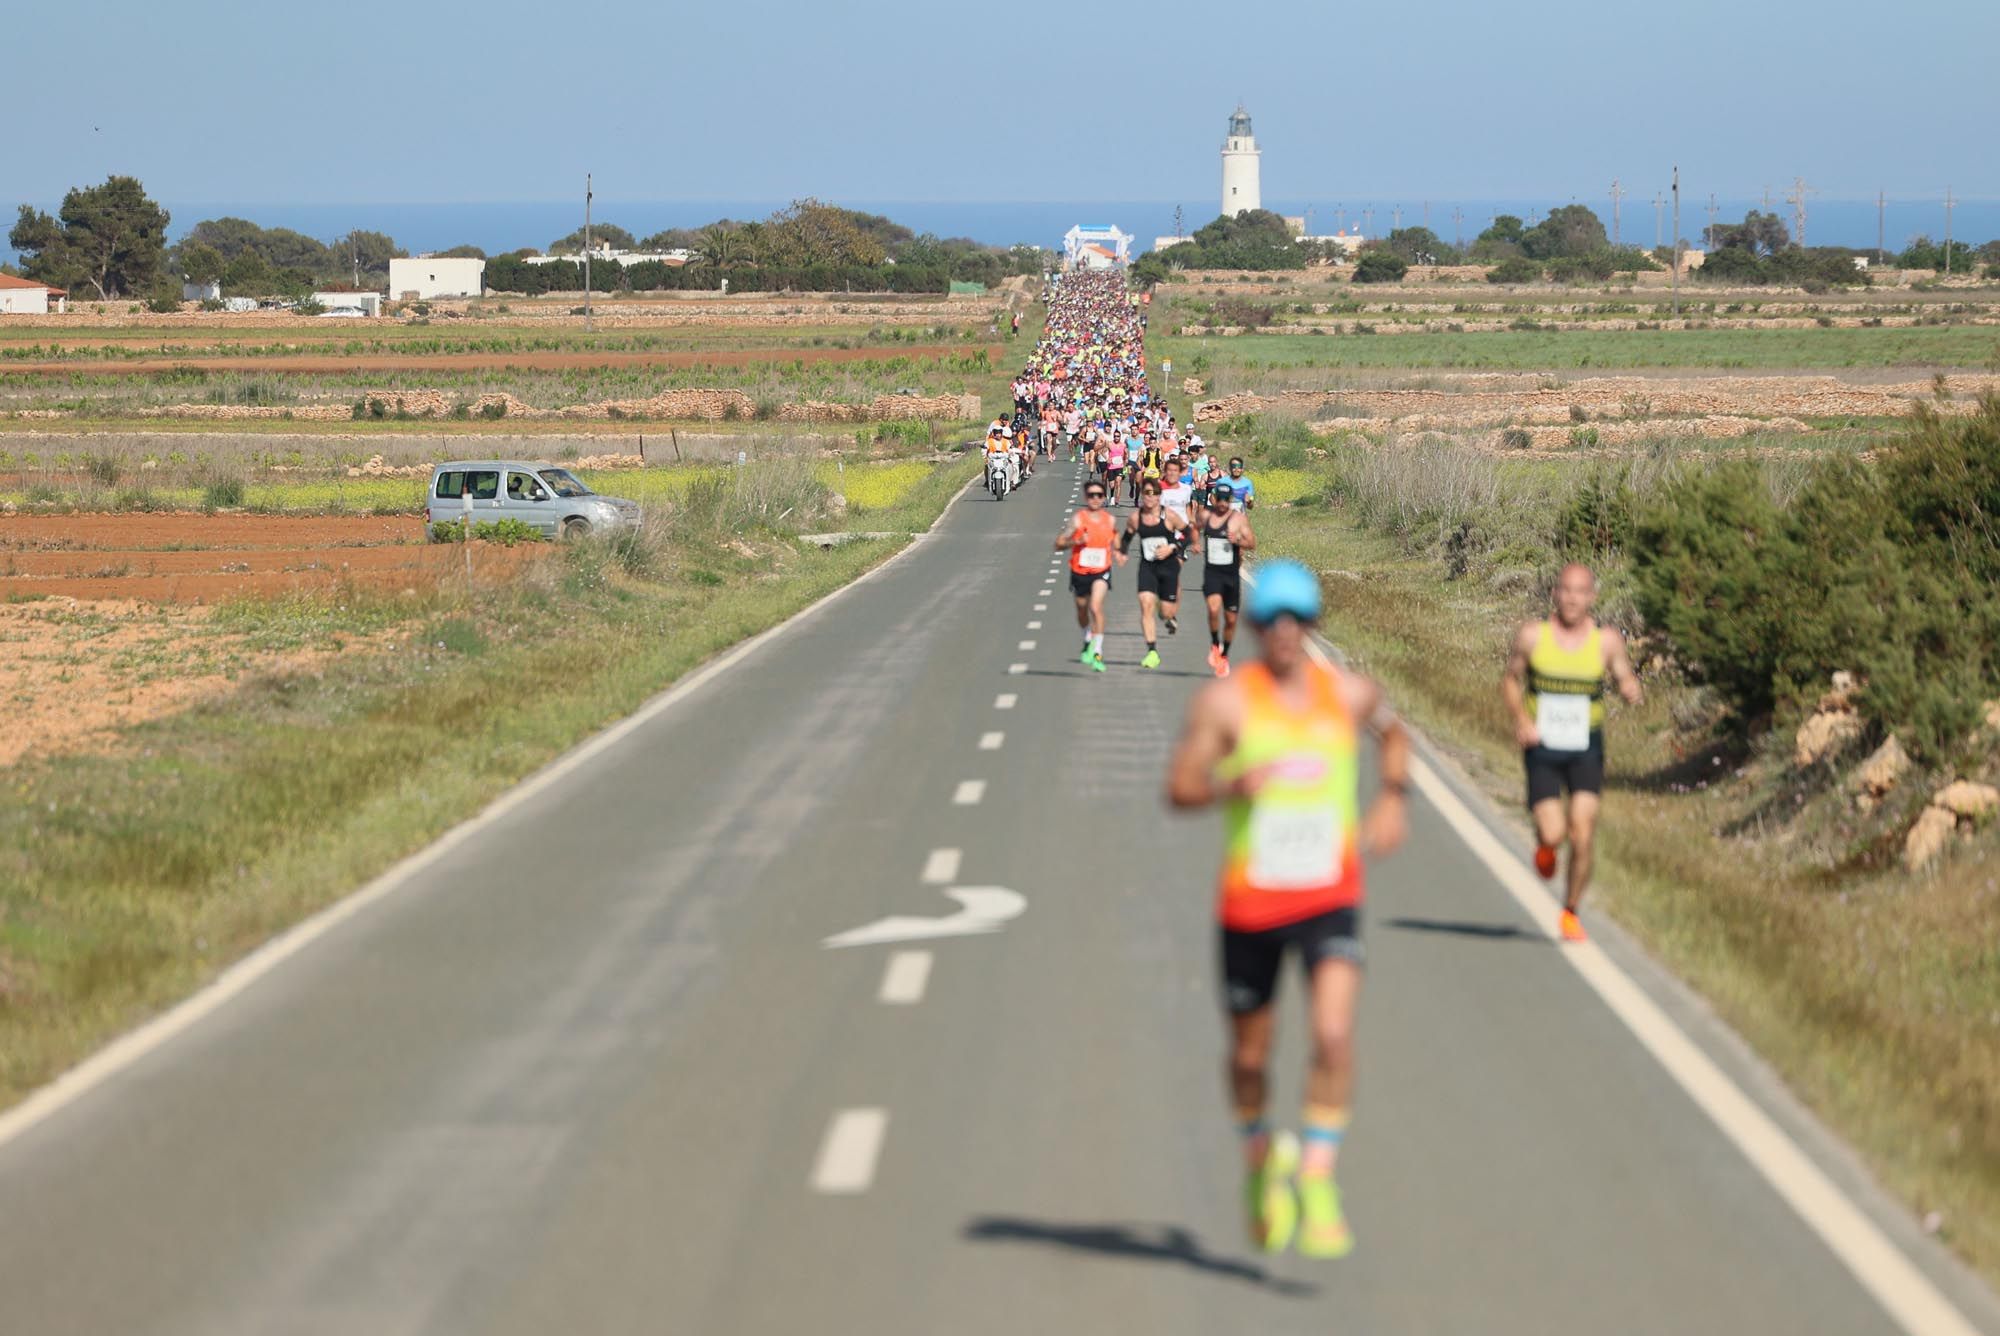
[1094,494]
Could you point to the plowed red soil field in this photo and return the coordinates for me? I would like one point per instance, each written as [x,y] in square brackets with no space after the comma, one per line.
[208,558]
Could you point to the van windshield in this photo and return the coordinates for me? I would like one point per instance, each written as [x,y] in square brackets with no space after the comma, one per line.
[563,483]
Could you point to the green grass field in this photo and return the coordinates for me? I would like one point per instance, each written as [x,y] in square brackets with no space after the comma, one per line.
[1921,350]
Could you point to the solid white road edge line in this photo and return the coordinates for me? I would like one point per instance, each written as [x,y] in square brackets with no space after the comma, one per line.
[991,741]
[941,867]
[968,793]
[1904,1291]
[846,1163]
[1898,1285]
[904,979]
[130,1047]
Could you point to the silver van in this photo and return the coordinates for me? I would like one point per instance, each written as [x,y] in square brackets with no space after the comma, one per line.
[541,494]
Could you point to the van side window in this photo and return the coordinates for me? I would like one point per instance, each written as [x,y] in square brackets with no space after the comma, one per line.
[450,484]
[524,487]
[483,483]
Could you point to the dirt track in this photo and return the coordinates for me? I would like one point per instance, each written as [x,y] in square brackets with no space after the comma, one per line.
[521,361]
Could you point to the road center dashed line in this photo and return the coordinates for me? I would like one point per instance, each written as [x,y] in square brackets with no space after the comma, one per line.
[846,1163]
[1005,700]
[1016,669]
[991,741]
[968,793]
[904,980]
[941,867]
[1026,644]
[1034,626]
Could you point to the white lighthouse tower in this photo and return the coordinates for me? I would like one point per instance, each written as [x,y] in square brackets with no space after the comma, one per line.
[1240,189]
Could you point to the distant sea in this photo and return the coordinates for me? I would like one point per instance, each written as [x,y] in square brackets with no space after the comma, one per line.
[503,227]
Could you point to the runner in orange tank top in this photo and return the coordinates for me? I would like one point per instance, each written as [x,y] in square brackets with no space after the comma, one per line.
[1278,746]
[1091,538]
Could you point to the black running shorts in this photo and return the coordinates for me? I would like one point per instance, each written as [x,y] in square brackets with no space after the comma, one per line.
[1226,581]
[1160,578]
[1251,960]
[1080,584]
[1551,773]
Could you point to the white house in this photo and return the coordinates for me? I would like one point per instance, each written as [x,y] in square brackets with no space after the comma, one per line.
[24,296]
[422,277]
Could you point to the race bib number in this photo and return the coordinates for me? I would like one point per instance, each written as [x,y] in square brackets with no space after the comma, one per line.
[1563,721]
[1221,552]
[1155,549]
[1294,848]
[1093,558]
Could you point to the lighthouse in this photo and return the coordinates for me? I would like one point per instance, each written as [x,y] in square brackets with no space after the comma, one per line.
[1240,189]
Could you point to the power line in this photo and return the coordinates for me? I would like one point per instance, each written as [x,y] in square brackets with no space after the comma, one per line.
[1797,199]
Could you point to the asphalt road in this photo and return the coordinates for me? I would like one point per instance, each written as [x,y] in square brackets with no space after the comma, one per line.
[593,1069]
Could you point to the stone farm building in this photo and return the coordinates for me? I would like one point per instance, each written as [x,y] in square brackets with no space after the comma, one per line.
[422,277]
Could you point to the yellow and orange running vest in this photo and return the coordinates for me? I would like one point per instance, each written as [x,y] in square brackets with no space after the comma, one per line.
[1292,851]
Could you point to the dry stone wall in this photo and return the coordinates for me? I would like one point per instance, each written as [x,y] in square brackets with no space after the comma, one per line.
[671,406]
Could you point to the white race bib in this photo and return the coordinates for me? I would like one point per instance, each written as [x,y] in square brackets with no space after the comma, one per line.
[1294,848]
[1221,552]
[1564,722]
[1155,549]
[1093,558]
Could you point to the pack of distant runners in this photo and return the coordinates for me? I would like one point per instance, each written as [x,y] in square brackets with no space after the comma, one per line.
[1277,745]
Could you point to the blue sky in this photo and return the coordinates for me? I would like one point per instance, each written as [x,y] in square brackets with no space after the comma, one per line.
[769,99]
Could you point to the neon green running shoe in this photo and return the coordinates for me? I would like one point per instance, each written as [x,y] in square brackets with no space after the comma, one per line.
[1084,658]
[1267,1192]
[1097,663]
[1152,659]
[1325,1234]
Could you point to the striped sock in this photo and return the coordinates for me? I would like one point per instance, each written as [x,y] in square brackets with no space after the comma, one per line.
[1256,1136]
[1322,1131]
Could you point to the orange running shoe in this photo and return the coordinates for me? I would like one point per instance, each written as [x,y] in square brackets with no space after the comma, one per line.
[1572,927]
[1545,859]
[1214,656]
[1222,665]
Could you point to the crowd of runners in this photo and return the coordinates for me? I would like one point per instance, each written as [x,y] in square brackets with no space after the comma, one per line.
[1277,746]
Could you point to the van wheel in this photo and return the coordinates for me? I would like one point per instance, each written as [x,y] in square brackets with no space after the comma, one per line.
[574,529]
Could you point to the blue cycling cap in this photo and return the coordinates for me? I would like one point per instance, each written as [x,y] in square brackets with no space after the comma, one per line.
[1283,587]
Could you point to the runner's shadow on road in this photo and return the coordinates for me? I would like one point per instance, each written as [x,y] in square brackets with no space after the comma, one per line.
[1492,932]
[1157,1243]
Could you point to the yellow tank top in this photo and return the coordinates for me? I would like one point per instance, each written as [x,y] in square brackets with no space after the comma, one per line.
[1558,672]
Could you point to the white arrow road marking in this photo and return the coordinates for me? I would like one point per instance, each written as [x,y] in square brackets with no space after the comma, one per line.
[982,909]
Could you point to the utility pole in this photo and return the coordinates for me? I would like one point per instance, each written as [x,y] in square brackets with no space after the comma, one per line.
[1368,220]
[1709,236]
[1427,215]
[1340,216]
[1797,199]
[1659,215]
[1457,227]
[354,253]
[1618,194]
[586,252]
[1674,275]
[1767,197]
[1881,209]
[1948,202]
[1177,220]
[1396,214]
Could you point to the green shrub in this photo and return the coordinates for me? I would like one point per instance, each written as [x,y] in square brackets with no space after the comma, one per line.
[1891,571]
[1515,269]
[1598,516]
[1381,266]
[104,469]
[507,532]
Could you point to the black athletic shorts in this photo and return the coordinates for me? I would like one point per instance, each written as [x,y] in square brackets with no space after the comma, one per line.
[1080,584]
[1226,581]
[1550,773]
[1251,960]
[1162,578]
